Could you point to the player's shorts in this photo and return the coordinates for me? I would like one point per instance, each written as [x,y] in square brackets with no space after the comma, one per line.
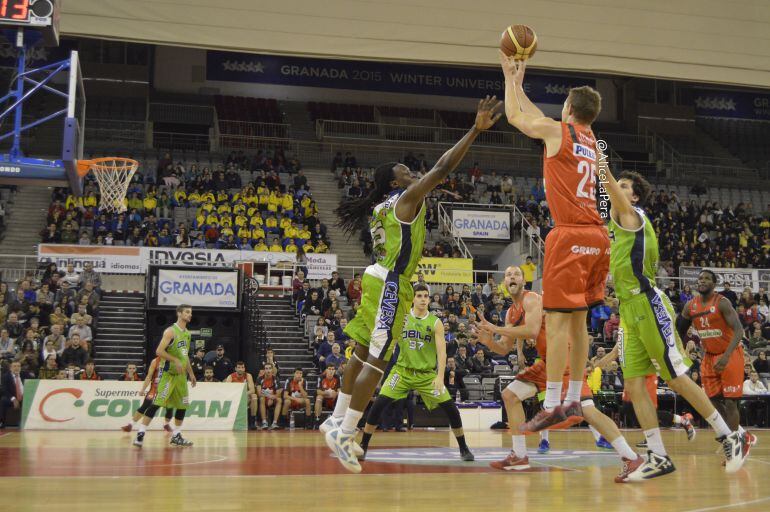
[532,381]
[172,391]
[648,339]
[329,403]
[729,383]
[577,261]
[387,298]
[402,380]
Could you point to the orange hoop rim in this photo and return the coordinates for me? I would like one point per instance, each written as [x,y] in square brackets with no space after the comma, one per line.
[86,166]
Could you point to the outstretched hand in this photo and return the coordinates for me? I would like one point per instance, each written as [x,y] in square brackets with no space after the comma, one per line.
[512,68]
[488,113]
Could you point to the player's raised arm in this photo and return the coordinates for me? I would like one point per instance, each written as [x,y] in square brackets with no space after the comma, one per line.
[519,109]
[734,321]
[622,210]
[486,116]
[168,337]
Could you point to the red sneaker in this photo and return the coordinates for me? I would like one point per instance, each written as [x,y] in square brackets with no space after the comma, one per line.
[687,426]
[629,466]
[167,428]
[574,413]
[544,420]
[126,428]
[511,463]
[750,438]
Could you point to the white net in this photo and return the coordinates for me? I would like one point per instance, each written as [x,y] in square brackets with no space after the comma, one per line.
[113,176]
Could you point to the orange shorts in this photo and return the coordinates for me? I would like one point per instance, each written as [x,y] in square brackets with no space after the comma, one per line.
[729,383]
[577,262]
[537,375]
[651,383]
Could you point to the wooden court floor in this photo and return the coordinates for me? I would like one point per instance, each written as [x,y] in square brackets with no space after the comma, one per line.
[414,471]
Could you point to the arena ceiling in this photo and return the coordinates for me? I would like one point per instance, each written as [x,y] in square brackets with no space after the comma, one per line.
[695,40]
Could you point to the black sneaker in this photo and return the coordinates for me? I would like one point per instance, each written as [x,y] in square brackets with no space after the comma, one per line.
[655,466]
[642,444]
[178,440]
[467,456]
[139,441]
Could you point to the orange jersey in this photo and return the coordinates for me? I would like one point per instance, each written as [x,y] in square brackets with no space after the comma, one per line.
[333,383]
[651,383]
[155,378]
[570,178]
[515,316]
[714,331]
[235,378]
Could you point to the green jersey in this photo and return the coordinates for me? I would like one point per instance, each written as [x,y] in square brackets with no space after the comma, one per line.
[417,346]
[179,348]
[633,258]
[397,245]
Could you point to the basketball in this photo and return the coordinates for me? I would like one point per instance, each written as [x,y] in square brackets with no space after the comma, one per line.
[519,42]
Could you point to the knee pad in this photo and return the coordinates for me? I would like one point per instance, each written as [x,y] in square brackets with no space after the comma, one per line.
[378,407]
[169,413]
[450,409]
[179,414]
[151,411]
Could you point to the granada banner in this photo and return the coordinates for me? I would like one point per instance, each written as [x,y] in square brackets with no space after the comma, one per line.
[108,405]
[198,288]
[486,224]
[739,278]
[320,266]
[134,260]
[446,270]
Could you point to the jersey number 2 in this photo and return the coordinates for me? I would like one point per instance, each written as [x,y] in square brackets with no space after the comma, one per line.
[588,171]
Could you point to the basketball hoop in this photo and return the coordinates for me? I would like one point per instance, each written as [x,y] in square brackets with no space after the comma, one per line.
[113,174]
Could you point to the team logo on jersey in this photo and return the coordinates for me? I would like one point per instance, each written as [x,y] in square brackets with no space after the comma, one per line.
[582,249]
[664,320]
[388,305]
[583,151]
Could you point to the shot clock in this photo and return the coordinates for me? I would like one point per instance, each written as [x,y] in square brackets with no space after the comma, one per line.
[41,15]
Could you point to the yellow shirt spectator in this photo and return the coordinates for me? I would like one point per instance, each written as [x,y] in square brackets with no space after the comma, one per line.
[207,197]
[271,222]
[224,208]
[223,197]
[261,246]
[256,220]
[227,231]
[594,380]
[252,212]
[310,210]
[249,198]
[321,247]
[285,223]
[308,247]
[257,233]
[303,234]
[180,196]
[529,270]
[263,199]
[226,220]
[150,203]
[244,233]
[305,202]
[240,221]
[275,247]
[287,202]
[291,246]
[134,202]
[89,201]
[239,209]
[290,232]
[77,202]
[503,291]
[263,191]
[200,220]
[194,197]
[212,218]
[207,207]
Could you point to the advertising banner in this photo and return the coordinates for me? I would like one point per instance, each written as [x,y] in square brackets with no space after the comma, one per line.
[381,76]
[108,405]
[198,288]
[734,104]
[134,260]
[446,270]
[487,224]
[739,278]
[320,266]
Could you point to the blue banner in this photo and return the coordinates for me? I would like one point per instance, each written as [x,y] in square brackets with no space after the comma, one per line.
[734,104]
[380,76]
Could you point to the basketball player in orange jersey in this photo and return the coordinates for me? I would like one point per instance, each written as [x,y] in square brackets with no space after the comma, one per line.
[238,376]
[152,379]
[720,331]
[524,320]
[577,249]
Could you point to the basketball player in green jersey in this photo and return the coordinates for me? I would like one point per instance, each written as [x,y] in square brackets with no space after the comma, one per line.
[397,226]
[420,367]
[173,350]
[647,334]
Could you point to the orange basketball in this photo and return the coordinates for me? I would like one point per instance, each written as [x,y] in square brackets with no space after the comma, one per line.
[519,42]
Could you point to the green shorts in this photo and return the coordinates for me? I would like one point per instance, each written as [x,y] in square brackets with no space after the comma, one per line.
[380,318]
[648,339]
[403,380]
[172,392]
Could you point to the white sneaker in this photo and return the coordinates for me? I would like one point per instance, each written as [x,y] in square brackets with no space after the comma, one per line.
[736,449]
[330,423]
[654,466]
[342,445]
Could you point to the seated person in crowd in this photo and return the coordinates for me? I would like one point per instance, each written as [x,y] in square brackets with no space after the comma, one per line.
[240,375]
[326,393]
[295,396]
[269,396]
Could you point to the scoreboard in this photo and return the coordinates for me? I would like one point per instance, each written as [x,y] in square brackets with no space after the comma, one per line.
[42,15]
